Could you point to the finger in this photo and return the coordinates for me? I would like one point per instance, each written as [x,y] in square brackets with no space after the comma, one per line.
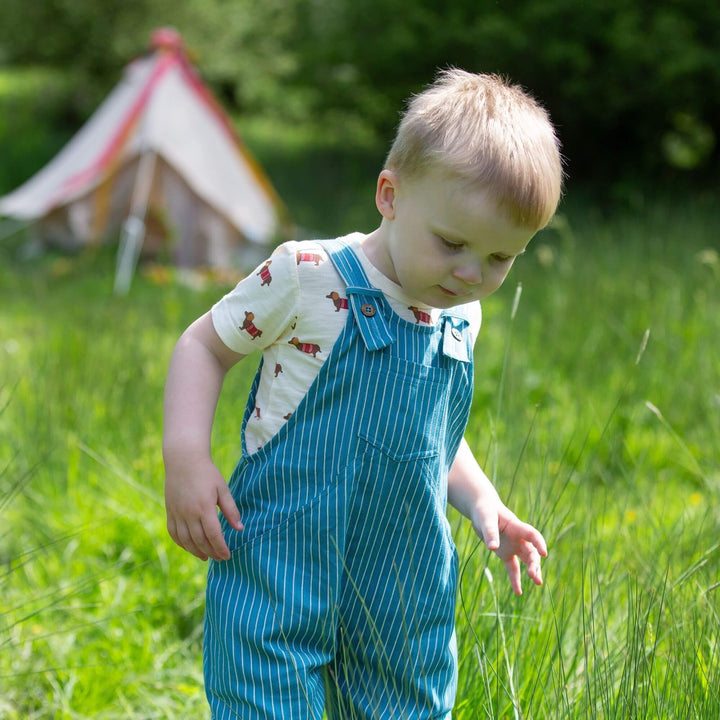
[172,530]
[535,574]
[535,537]
[212,531]
[229,509]
[531,557]
[200,540]
[185,540]
[527,533]
[513,570]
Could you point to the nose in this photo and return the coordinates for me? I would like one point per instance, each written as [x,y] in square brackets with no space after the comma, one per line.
[470,273]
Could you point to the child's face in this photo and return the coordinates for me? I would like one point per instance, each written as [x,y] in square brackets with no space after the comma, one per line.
[445,243]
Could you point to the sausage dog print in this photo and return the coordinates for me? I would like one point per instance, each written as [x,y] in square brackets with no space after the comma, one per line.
[339,302]
[249,325]
[307,348]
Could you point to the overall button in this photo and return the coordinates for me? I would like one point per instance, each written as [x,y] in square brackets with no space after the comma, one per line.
[456,334]
[367,309]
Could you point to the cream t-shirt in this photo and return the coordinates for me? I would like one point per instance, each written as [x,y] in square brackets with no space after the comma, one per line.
[293,308]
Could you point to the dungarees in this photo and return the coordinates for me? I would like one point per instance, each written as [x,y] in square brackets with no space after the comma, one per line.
[340,592]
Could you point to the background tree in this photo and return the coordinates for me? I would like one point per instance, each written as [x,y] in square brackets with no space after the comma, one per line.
[633,87]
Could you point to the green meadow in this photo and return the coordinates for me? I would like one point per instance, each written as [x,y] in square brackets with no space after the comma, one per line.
[596,412]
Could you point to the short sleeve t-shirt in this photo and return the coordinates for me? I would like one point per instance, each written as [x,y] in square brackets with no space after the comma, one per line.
[293,308]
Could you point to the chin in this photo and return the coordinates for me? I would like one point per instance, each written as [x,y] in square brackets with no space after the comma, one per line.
[449,302]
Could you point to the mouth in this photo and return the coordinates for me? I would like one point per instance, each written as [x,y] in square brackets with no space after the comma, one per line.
[447,292]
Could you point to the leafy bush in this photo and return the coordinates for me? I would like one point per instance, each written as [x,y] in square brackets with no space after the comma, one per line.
[35,121]
[634,88]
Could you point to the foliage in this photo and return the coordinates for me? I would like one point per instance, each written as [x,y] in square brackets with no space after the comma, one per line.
[612,452]
[33,121]
[634,88]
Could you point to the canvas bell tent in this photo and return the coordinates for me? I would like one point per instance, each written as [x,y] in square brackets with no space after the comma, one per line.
[160,166]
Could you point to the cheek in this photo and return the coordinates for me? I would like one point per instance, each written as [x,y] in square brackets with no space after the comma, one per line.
[496,277]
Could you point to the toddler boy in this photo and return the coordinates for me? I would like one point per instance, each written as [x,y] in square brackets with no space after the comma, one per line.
[332,580]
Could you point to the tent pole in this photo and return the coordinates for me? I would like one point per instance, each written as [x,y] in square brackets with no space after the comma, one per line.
[133,230]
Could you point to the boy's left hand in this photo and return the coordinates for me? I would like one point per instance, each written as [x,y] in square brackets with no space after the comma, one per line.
[471,492]
[511,540]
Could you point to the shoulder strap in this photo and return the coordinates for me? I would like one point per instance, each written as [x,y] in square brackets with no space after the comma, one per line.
[366,302]
[456,333]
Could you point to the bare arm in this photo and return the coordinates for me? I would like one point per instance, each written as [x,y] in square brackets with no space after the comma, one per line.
[472,494]
[194,487]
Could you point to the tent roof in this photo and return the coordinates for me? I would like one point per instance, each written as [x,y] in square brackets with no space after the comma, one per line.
[161,105]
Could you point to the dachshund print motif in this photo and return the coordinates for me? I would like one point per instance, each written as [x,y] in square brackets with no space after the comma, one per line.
[339,302]
[307,348]
[420,315]
[249,326]
[316,258]
[264,274]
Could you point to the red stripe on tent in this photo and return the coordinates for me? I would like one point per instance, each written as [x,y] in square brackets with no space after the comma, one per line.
[202,91]
[121,136]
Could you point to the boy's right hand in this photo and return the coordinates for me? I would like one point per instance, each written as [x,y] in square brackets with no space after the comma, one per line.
[192,495]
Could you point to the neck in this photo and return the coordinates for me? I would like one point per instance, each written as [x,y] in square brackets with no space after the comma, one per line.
[375,247]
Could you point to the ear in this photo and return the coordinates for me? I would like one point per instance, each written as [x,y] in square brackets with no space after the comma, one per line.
[386,193]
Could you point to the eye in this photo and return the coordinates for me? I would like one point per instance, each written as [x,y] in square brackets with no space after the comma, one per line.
[449,245]
[500,257]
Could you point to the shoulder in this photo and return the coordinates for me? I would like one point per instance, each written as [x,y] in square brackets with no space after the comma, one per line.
[315,253]
[289,263]
[316,274]
[304,253]
[254,313]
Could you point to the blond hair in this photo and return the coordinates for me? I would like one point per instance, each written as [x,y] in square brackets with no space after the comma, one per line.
[482,129]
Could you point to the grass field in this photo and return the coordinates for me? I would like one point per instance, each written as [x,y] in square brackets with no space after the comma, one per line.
[597,412]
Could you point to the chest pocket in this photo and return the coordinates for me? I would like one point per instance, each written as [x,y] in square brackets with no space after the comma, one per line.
[407,414]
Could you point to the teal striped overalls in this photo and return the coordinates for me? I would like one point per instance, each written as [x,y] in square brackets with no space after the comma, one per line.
[340,593]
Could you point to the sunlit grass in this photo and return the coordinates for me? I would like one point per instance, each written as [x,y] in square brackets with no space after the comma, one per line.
[610,451]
